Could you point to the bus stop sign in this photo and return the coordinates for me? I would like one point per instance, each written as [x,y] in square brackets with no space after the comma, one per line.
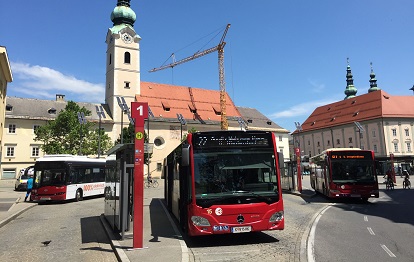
[139,111]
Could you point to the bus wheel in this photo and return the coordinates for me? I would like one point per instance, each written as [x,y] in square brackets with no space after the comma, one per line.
[78,196]
[364,199]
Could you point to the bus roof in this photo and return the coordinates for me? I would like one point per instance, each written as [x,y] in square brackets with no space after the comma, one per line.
[66,157]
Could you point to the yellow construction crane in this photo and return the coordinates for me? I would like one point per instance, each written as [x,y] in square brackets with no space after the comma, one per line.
[220,49]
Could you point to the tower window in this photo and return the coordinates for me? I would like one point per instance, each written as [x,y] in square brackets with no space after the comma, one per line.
[110,58]
[127,58]
[127,85]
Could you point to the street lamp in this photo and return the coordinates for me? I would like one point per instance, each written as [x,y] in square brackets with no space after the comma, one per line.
[182,122]
[125,110]
[360,130]
[101,114]
[298,156]
[82,121]
[242,124]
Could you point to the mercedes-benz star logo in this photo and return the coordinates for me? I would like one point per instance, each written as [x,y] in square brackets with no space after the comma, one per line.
[240,219]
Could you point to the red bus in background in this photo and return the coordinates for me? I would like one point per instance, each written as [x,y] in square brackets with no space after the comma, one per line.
[345,173]
[65,177]
[225,182]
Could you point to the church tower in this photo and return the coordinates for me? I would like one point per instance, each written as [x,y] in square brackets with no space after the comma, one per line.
[350,90]
[122,63]
[372,82]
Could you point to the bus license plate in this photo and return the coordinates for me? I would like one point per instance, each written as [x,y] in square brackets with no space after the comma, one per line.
[241,229]
[45,198]
[355,195]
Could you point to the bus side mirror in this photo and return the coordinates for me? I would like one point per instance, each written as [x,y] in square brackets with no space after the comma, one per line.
[185,155]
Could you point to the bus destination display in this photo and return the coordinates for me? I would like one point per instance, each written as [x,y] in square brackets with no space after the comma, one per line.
[351,155]
[232,140]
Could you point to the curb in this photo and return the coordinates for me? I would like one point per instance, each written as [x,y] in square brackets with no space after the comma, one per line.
[119,252]
[11,217]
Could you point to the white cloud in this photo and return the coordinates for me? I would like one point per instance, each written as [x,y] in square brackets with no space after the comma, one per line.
[317,88]
[304,109]
[43,82]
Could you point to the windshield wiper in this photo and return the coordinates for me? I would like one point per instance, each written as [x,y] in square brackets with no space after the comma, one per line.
[268,200]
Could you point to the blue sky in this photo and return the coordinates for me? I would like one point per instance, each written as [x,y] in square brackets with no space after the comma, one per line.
[284,58]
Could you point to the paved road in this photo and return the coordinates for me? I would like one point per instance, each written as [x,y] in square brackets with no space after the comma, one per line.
[74,229]
[381,230]
[286,245]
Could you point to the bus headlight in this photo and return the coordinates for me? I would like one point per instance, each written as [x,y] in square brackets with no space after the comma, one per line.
[200,221]
[278,216]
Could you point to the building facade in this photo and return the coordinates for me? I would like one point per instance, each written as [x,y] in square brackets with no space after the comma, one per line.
[375,121]
[5,78]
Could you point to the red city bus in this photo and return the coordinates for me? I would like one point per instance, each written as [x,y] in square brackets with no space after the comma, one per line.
[223,182]
[345,173]
[65,177]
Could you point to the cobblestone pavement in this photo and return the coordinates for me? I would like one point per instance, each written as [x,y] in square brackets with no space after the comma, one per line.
[272,246]
[74,229]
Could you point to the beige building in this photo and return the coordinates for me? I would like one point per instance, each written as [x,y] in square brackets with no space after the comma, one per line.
[5,78]
[199,107]
[375,121]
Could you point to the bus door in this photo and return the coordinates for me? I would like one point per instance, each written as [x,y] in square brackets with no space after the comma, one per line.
[185,186]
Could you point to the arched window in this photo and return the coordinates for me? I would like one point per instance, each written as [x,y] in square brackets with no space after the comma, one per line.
[127,58]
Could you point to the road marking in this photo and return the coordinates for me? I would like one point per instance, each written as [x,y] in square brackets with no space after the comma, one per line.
[371,231]
[311,237]
[388,251]
[366,218]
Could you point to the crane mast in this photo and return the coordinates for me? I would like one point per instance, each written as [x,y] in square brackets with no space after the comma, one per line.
[220,49]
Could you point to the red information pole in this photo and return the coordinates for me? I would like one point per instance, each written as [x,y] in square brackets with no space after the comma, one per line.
[297,151]
[139,111]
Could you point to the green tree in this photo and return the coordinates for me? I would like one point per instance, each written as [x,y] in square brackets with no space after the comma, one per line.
[65,135]
[128,136]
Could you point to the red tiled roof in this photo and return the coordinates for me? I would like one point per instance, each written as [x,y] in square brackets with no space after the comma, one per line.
[183,99]
[378,104]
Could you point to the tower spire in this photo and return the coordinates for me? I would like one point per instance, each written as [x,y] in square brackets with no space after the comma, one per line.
[350,90]
[123,14]
[372,81]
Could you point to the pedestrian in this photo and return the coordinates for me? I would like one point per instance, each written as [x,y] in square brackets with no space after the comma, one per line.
[29,188]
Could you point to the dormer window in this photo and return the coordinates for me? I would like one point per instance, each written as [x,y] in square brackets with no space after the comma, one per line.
[249,121]
[356,113]
[9,108]
[217,110]
[165,106]
[269,123]
[52,111]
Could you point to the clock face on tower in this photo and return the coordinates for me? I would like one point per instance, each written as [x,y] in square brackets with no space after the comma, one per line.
[127,38]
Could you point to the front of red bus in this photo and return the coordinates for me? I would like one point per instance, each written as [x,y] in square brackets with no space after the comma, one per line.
[236,185]
[49,181]
[353,174]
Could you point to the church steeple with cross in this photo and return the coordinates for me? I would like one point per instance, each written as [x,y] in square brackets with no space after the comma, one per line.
[350,90]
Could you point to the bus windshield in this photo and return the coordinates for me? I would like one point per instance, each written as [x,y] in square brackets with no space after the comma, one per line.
[237,175]
[353,171]
[50,177]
